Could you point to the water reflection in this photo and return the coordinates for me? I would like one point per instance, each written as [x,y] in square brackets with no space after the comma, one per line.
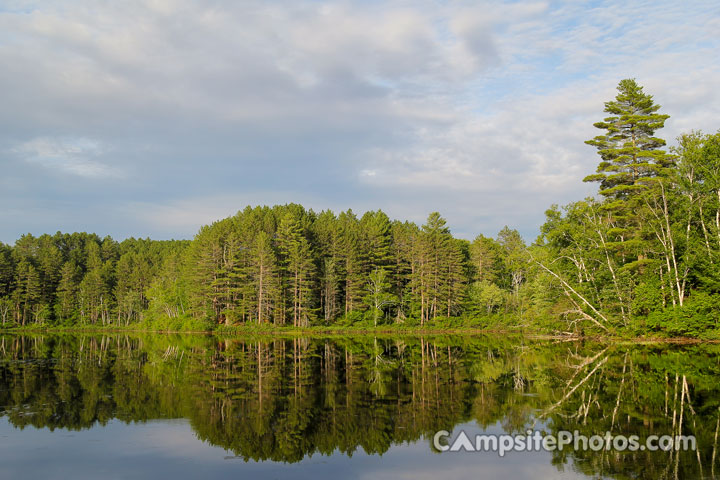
[285,399]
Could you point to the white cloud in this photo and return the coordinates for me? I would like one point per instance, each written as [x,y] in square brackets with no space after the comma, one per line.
[76,156]
[531,140]
[478,110]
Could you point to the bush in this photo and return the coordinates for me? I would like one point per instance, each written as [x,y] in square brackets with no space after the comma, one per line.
[647,297]
[182,323]
[698,317]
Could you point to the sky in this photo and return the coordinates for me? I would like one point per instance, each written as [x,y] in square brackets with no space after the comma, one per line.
[170,448]
[155,117]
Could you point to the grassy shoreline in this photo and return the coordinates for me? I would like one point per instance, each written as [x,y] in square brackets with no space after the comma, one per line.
[345,331]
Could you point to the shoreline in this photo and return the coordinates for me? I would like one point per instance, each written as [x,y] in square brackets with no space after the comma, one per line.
[321,331]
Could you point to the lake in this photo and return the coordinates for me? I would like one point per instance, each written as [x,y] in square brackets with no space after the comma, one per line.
[186,406]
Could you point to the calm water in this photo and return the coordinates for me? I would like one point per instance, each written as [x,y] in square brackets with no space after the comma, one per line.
[189,406]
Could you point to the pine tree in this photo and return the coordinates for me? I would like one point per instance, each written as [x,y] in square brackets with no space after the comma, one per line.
[49,261]
[455,274]
[30,290]
[404,249]
[7,270]
[354,261]
[632,163]
[264,276]
[298,266]
[66,307]
[487,259]
[432,248]
[630,152]
[204,260]
[634,177]
[377,239]
[326,232]
[133,277]
[94,293]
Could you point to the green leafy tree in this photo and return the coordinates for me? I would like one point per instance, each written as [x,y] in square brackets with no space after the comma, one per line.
[514,257]
[487,297]
[378,293]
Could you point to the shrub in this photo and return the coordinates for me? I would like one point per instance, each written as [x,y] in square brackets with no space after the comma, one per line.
[698,317]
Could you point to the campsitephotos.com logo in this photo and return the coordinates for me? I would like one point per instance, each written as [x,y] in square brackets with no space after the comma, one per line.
[534,441]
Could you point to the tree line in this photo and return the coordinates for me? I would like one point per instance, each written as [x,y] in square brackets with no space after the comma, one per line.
[641,256]
[79,278]
[281,265]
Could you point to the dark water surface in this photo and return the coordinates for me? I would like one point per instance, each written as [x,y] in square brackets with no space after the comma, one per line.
[84,406]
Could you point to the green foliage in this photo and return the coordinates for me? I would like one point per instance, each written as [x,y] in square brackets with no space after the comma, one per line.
[648,249]
[71,279]
[486,297]
[629,150]
[647,296]
[280,265]
[698,317]
[378,295]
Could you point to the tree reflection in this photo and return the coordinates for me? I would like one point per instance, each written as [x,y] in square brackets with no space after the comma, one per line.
[283,399]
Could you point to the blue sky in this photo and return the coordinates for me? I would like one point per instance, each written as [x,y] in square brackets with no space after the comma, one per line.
[152,118]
